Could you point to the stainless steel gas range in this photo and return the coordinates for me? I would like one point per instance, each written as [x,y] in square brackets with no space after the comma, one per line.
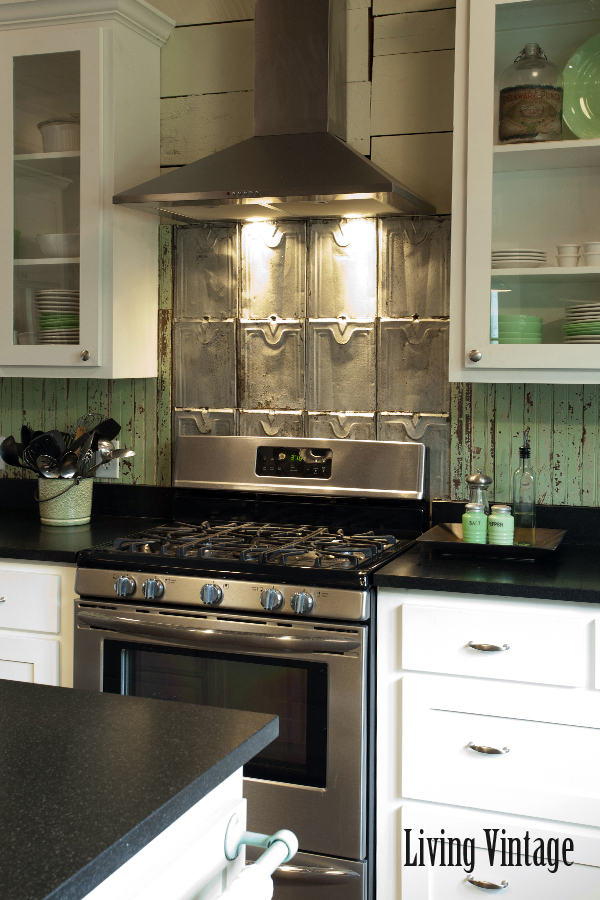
[258,596]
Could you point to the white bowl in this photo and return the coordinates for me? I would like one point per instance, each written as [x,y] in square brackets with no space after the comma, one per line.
[567,260]
[568,249]
[591,259]
[59,245]
[59,134]
[591,248]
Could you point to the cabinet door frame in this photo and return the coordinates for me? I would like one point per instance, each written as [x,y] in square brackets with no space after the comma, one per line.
[42,655]
[30,42]
[473,165]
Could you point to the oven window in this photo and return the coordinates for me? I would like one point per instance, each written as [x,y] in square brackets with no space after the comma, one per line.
[293,690]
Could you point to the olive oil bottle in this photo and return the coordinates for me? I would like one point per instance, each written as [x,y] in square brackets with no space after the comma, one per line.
[524,497]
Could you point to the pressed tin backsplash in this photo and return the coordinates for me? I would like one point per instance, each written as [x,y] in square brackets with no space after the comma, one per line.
[318,328]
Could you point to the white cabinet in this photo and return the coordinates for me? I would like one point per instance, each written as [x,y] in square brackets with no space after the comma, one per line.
[36,622]
[471,739]
[187,860]
[527,195]
[82,302]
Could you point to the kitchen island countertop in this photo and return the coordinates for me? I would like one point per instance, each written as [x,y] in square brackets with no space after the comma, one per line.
[89,779]
[570,573]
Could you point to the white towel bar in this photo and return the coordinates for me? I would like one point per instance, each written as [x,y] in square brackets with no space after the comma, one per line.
[255,881]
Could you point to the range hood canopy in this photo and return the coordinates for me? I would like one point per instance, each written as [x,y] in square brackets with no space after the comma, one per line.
[297,163]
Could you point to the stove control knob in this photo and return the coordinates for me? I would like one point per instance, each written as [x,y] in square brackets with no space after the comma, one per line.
[271,599]
[153,589]
[124,586]
[211,594]
[302,602]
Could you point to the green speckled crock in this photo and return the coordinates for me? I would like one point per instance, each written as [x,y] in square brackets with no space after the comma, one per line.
[73,507]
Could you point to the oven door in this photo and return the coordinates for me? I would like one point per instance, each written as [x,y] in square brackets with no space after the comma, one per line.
[312,779]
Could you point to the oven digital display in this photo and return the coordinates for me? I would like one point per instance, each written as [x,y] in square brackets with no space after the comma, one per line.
[294,462]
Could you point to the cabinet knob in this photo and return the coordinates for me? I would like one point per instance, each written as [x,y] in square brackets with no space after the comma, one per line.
[487,648]
[491,751]
[84,355]
[475,355]
[487,885]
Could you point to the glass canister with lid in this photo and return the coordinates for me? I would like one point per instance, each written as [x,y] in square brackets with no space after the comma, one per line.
[501,525]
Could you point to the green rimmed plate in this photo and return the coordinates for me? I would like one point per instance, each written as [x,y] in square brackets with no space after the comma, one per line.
[581,99]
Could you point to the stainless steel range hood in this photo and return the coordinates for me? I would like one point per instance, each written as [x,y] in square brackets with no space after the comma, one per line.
[297,163]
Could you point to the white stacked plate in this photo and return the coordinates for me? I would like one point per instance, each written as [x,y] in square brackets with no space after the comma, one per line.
[518,258]
[59,303]
[583,314]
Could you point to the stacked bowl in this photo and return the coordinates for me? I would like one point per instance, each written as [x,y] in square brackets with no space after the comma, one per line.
[518,259]
[519,329]
[583,324]
[57,316]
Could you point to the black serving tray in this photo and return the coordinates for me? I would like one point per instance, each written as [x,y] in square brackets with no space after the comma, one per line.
[447,539]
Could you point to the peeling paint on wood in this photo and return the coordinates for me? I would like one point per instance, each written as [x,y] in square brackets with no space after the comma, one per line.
[488,420]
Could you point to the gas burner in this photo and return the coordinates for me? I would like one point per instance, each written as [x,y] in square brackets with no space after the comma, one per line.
[259,543]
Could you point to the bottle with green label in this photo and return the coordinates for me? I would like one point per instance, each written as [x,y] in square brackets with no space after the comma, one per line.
[501,525]
[474,524]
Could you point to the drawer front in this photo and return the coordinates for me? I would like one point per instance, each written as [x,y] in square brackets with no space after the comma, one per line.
[29,601]
[544,769]
[29,659]
[472,855]
[541,649]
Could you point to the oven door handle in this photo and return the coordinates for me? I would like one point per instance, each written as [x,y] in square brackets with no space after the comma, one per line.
[288,874]
[287,643]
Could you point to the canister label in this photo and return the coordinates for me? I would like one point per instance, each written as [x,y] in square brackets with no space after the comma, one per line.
[526,112]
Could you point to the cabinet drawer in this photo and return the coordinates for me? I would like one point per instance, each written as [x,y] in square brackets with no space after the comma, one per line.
[473,849]
[550,770]
[29,601]
[29,659]
[541,649]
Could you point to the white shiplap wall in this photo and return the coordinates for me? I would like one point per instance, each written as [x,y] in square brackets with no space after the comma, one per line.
[399,74]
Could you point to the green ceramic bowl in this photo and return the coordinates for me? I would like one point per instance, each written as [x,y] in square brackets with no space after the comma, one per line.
[507,333]
[520,340]
[521,320]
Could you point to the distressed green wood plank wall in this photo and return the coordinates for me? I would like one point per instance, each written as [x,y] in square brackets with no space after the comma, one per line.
[142,405]
[487,428]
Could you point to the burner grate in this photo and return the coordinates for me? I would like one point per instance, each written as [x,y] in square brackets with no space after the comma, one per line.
[250,542]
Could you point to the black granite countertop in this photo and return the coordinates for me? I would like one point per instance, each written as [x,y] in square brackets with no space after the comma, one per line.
[569,573]
[88,779]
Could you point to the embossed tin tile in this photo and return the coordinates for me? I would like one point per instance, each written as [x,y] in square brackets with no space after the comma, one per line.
[343,264]
[343,426]
[204,364]
[204,421]
[413,366]
[434,432]
[341,365]
[414,267]
[271,423]
[206,279]
[271,364]
[274,270]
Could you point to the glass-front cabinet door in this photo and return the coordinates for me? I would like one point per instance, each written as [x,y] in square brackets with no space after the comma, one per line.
[526,255]
[49,163]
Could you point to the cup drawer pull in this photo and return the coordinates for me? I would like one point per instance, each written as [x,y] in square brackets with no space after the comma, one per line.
[487,885]
[492,751]
[487,648]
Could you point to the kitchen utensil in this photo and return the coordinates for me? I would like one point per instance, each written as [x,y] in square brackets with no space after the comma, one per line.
[106,430]
[10,453]
[47,467]
[581,97]
[26,435]
[58,245]
[105,449]
[116,454]
[68,465]
[50,443]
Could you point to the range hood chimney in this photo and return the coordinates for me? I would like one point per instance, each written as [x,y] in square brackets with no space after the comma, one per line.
[297,164]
